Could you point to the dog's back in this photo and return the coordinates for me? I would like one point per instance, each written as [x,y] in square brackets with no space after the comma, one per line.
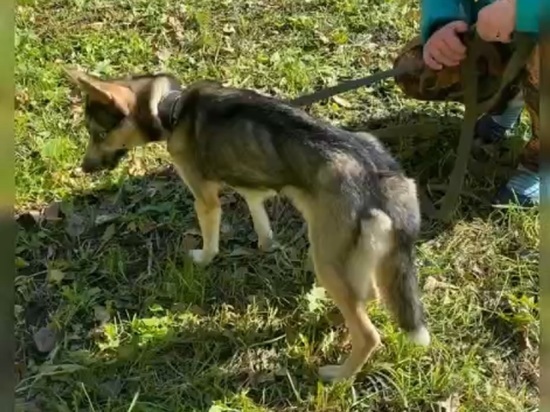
[362,211]
[253,140]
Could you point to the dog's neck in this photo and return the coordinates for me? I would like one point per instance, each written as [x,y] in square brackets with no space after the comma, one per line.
[165,103]
[169,108]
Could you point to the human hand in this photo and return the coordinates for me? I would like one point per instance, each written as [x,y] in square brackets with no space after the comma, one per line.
[444,47]
[496,22]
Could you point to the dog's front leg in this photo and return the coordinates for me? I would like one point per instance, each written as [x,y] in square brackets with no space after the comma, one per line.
[207,207]
[209,214]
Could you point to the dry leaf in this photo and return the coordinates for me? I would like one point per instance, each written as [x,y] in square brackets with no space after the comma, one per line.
[102,219]
[20,263]
[197,310]
[52,213]
[109,233]
[75,225]
[525,341]
[189,242]
[97,25]
[228,29]
[55,275]
[451,404]
[342,102]
[315,298]
[45,339]
[324,39]
[101,314]
[432,284]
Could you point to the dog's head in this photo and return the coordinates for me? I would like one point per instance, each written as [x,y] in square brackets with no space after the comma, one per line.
[118,117]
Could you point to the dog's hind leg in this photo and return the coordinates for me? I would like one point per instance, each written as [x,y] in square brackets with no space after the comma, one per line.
[255,201]
[364,336]
[340,266]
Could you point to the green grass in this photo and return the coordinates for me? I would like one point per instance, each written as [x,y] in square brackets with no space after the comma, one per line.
[138,327]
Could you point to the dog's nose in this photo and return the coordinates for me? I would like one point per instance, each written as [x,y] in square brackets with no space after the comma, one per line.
[90,166]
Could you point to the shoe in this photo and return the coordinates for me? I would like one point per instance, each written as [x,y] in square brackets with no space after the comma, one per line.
[488,131]
[522,189]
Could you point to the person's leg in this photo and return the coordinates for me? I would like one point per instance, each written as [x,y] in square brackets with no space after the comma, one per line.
[524,185]
[492,129]
[445,86]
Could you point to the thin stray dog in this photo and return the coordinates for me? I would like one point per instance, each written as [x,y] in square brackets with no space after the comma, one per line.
[362,212]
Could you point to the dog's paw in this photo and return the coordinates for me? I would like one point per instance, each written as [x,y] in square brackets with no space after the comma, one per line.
[266,244]
[331,373]
[201,257]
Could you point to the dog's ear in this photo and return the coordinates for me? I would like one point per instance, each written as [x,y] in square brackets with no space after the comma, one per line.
[100,91]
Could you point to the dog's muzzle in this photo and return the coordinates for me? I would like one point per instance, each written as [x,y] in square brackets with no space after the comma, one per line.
[94,165]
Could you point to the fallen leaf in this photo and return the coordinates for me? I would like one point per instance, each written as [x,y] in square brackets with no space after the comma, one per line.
[525,342]
[47,369]
[189,242]
[106,218]
[97,25]
[342,102]
[335,318]
[315,298]
[324,39]
[240,251]
[52,213]
[45,339]
[101,314]
[20,370]
[146,227]
[432,284]
[20,263]
[75,225]
[112,388]
[197,310]
[109,233]
[55,275]
[163,55]
[228,29]
[451,404]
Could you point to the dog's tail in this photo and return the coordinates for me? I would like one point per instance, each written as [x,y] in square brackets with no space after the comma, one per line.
[398,280]
[397,274]
[384,258]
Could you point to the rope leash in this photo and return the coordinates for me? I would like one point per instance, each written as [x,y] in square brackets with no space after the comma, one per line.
[342,87]
[524,45]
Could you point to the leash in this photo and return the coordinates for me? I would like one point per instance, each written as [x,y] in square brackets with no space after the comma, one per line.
[524,45]
[345,86]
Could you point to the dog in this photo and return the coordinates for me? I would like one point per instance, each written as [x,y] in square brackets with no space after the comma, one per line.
[361,210]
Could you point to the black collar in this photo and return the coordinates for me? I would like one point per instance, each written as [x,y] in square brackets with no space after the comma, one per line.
[169,109]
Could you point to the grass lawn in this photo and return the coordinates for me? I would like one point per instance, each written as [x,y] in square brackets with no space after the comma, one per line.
[112,316]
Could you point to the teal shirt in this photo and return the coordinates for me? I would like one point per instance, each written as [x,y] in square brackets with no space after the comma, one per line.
[437,13]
